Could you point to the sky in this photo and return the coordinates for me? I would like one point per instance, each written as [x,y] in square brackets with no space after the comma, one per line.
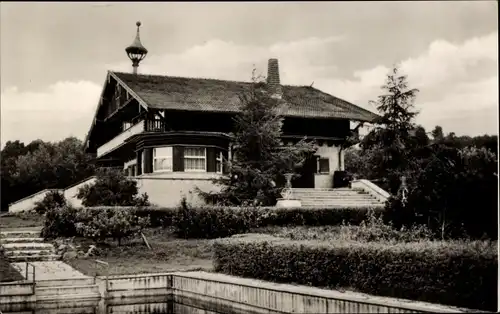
[54,56]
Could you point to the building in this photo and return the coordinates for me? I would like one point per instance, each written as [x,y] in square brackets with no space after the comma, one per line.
[172,133]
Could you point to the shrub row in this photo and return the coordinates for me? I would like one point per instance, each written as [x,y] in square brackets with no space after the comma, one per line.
[208,221]
[214,222]
[458,274]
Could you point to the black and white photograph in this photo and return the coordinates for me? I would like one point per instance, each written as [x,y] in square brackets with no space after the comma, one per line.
[249,157]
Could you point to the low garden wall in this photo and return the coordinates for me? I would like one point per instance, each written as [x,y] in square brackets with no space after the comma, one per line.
[258,296]
[17,292]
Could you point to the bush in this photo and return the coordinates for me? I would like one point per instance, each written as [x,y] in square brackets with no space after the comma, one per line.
[212,221]
[455,193]
[112,188]
[52,200]
[60,222]
[461,274]
[97,223]
[220,221]
[101,223]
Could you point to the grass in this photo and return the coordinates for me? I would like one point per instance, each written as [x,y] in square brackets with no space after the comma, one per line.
[20,220]
[168,253]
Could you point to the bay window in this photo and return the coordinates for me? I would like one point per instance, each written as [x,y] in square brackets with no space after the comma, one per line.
[162,159]
[195,159]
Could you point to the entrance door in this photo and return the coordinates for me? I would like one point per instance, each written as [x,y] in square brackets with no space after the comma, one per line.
[306,179]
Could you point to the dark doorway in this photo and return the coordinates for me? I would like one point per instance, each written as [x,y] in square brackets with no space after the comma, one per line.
[306,179]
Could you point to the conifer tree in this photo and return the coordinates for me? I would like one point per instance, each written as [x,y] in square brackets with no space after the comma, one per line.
[259,157]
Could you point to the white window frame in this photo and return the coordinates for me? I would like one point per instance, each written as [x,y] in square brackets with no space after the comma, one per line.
[195,157]
[219,162]
[168,157]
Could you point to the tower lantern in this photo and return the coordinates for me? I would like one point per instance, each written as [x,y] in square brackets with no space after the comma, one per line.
[136,52]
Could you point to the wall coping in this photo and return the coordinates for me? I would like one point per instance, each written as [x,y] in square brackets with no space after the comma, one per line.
[371,188]
[35,194]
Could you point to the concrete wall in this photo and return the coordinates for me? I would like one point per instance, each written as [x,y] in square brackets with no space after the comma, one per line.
[70,192]
[28,203]
[137,285]
[167,189]
[256,296]
[372,189]
[323,181]
[16,292]
[332,153]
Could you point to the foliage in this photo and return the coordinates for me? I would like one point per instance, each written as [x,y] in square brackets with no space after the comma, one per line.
[390,142]
[455,273]
[96,223]
[111,188]
[42,165]
[259,157]
[60,222]
[221,221]
[447,192]
[101,223]
[212,222]
[52,200]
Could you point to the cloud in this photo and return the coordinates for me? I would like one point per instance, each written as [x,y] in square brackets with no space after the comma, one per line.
[63,109]
[458,83]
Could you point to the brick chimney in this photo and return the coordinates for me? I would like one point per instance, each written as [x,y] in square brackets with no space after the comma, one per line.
[273,79]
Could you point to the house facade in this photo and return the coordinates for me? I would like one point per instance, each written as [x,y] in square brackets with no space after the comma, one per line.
[173,133]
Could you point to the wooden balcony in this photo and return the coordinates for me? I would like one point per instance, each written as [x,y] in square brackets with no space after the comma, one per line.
[120,139]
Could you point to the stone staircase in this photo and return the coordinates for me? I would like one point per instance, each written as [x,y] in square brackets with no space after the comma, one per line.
[335,198]
[26,246]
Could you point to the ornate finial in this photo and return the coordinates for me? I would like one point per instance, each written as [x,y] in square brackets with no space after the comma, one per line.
[136,52]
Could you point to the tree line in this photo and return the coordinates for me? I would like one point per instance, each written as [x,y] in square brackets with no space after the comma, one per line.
[39,165]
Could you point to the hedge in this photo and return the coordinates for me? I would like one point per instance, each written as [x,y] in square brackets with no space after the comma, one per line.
[458,274]
[213,221]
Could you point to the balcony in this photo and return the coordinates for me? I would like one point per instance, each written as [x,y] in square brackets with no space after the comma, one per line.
[153,125]
[118,140]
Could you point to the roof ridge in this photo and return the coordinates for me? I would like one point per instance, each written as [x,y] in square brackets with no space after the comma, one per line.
[197,78]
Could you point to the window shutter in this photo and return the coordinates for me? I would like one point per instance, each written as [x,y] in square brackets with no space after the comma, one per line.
[139,163]
[211,151]
[178,159]
[148,160]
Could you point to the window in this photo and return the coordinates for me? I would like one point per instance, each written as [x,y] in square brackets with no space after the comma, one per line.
[195,159]
[324,165]
[143,162]
[162,159]
[218,163]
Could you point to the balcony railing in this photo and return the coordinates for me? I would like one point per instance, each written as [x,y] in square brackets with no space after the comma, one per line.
[118,140]
[154,125]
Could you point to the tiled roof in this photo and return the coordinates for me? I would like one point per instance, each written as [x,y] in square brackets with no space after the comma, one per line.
[198,94]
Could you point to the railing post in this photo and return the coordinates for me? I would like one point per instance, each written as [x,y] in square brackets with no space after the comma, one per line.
[26,271]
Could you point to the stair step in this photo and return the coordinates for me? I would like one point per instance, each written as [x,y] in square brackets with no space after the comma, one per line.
[84,281]
[64,291]
[335,197]
[28,253]
[33,258]
[27,246]
[20,240]
[20,234]
[342,206]
[65,310]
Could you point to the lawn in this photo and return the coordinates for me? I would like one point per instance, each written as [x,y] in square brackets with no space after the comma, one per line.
[168,253]
[20,221]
